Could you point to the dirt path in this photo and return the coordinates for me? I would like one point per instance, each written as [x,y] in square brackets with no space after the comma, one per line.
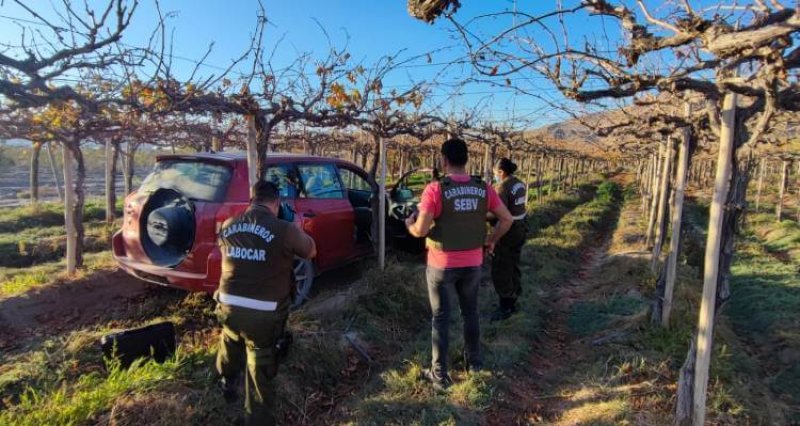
[62,307]
[536,396]
[568,378]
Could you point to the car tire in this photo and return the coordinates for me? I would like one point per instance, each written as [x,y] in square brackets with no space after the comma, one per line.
[304,280]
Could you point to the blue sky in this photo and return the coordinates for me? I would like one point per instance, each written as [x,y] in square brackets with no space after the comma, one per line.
[370,28]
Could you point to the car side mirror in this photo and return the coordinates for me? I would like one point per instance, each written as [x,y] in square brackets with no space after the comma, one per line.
[286,212]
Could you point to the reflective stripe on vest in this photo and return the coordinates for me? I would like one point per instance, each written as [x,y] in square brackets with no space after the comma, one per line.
[520,217]
[246,302]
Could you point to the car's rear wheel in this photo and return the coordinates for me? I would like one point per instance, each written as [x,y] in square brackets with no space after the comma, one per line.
[304,280]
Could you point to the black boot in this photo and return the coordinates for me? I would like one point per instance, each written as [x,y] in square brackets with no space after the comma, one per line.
[229,389]
[507,308]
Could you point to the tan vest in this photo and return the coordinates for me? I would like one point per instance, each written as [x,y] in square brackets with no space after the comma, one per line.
[255,261]
[462,223]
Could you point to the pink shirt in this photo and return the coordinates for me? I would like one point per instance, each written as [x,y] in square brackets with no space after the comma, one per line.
[431,202]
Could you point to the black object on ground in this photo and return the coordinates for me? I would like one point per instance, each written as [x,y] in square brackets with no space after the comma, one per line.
[155,341]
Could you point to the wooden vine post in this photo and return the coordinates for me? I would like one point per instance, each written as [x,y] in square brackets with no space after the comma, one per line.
[677,216]
[705,324]
[663,199]
[539,177]
[530,170]
[69,212]
[761,170]
[382,207]
[53,169]
[34,175]
[782,188]
[109,181]
[252,153]
[654,188]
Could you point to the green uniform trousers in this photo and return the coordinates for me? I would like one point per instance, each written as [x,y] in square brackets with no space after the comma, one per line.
[248,339]
[506,273]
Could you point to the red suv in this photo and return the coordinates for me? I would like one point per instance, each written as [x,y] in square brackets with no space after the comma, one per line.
[170,224]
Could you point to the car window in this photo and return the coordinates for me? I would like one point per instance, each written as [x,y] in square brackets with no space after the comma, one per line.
[285,177]
[320,181]
[354,181]
[193,179]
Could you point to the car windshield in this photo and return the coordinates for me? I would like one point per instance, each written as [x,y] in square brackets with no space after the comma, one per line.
[193,179]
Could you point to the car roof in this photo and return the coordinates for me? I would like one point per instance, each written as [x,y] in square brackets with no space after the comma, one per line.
[239,156]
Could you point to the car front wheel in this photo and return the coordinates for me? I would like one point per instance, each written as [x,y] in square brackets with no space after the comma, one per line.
[304,280]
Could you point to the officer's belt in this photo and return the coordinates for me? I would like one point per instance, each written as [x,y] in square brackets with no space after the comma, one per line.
[246,302]
[520,217]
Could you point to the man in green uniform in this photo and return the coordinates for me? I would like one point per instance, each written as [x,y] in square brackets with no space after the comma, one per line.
[506,273]
[254,295]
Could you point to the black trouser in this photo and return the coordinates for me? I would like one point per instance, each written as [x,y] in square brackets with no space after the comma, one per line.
[506,273]
[247,342]
[441,283]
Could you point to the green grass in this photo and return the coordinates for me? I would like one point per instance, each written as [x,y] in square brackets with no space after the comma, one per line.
[32,235]
[32,246]
[549,211]
[757,334]
[64,379]
[91,393]
[765,307]
[782,238]
[589,317]
[15,281]
[46,215]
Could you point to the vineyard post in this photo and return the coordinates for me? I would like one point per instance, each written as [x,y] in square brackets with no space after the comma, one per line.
[643,184]
[34,175]
[109,181]
[782,190]
[705,325]
[654,192]
[487,166]
[382,207]
[252,154]
[53,168]
[663,198]
[677,215]
[761,169]
[539,177]
[69,201]
[530,171]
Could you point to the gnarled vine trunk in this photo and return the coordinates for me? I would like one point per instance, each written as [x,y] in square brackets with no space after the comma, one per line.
[80,199]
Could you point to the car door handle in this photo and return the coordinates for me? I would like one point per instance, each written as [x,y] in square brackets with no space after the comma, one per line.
[309,214]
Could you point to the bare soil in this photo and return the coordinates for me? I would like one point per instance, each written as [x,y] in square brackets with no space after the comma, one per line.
[63,307]
[532,397]
[110,298]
